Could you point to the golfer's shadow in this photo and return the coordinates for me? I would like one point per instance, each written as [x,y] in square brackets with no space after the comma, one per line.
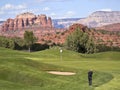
[95,85]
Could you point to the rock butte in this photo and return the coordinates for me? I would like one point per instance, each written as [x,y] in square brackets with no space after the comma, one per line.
[26,20]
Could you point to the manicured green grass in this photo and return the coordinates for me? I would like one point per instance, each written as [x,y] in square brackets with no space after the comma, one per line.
[28,71]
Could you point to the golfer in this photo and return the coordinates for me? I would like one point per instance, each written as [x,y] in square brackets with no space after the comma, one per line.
[90,73]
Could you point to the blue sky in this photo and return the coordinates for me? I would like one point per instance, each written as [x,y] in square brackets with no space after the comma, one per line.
[56,8]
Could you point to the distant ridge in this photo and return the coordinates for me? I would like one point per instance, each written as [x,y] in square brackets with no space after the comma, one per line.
[1,22]
[64,23]
[100,18]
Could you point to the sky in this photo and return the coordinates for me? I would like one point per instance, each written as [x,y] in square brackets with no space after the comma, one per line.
[56,9]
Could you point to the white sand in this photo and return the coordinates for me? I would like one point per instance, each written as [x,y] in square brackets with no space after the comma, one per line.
[61,73]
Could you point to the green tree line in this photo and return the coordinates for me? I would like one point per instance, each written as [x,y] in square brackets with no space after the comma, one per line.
[28,43]
[78,41]
[12,43]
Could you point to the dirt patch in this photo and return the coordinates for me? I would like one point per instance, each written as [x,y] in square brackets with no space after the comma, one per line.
[61,73]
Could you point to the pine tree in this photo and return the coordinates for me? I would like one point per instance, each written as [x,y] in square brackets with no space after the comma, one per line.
[81,42]
[30,39]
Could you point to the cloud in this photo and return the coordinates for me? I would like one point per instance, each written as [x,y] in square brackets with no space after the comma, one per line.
[69,14]
[46,9]
[53,14]
[52,0]
[1,19]
[106,9]
[16,12]
[23,6]
[9,9]
[7,6]
[13,7]
[1,12]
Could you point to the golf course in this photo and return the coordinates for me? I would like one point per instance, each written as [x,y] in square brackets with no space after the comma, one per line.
[20,70]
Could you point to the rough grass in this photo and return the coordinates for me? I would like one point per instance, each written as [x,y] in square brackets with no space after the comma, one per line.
[28,71]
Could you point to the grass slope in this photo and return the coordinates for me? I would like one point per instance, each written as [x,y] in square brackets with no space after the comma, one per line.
[28,71]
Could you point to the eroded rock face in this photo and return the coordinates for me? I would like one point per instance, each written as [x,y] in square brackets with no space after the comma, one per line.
[27,20]
[15,24]
[49,22]
[43,20]
[10,24]
[20,23]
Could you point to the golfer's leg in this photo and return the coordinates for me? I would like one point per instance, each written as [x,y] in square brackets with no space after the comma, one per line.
[90,82]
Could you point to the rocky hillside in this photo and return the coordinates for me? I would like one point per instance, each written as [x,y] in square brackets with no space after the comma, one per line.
[110,27]
[107,39]
[100,18]
[27,20]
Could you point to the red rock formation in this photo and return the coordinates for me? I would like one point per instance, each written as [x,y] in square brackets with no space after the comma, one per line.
[20,23]
[15,24]
[43,20]
[49,22]
[26,20]
[75,26]
[11,24]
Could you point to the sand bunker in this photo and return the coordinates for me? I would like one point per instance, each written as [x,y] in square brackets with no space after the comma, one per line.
[61,73]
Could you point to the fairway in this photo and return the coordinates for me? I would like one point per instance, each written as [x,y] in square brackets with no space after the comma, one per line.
[29,71]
